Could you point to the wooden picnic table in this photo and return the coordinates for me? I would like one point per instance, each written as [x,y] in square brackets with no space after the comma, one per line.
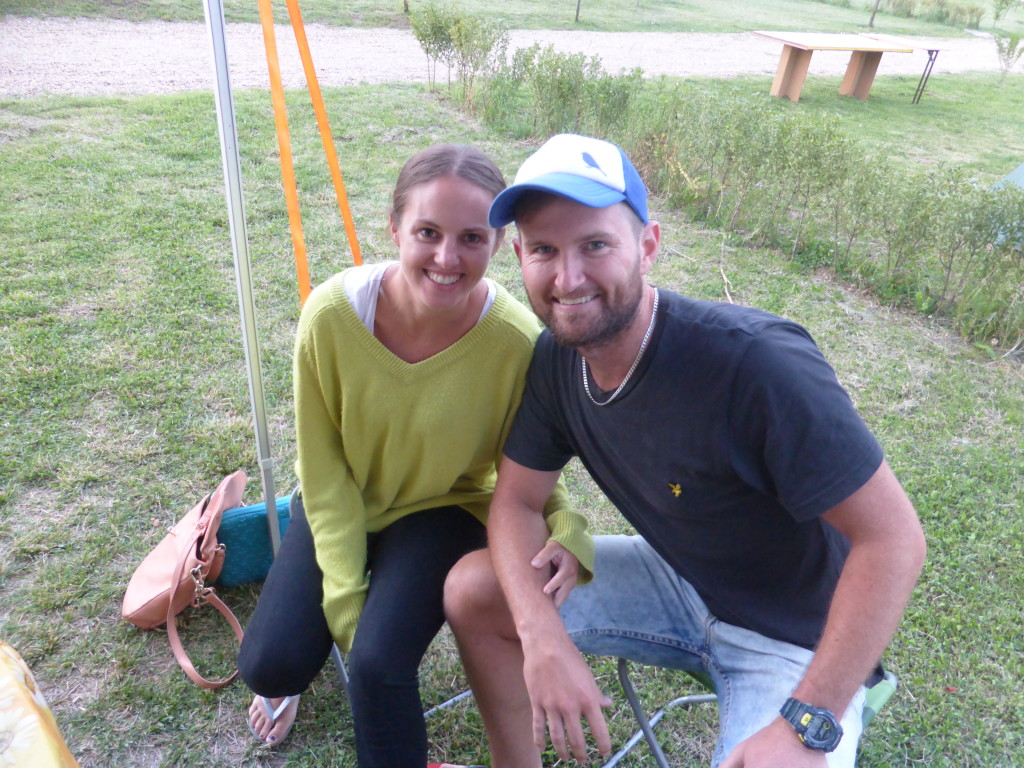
[865,55]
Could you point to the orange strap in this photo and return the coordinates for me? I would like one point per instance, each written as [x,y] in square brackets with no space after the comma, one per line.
[325,129]
[291,194]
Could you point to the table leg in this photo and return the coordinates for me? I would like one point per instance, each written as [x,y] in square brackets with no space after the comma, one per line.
[860,74]
[932,55]
[792,71]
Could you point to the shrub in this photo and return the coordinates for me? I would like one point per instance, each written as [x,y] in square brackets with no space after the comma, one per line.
[1009,48]
[432,24]
[565,93]
[503,102]
[1000,8]
[906,8]
[477,46]
[934,239]
[967,15]
[469,44]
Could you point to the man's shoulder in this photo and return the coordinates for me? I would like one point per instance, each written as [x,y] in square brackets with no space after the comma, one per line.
[719,317]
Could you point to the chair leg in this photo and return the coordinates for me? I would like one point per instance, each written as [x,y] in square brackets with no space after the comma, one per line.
[638,712]
[342,670]
[647,725]
[339,665]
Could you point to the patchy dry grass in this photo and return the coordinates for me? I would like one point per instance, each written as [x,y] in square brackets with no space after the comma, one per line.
[124,400]
[603,15]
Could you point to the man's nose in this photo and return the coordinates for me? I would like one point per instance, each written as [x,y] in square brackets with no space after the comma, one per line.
[569,275]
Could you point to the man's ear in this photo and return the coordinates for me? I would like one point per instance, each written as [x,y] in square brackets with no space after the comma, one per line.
[393,226]
[517,246]
[650,238]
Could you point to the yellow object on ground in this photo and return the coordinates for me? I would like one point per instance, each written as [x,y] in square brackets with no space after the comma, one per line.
[28,733]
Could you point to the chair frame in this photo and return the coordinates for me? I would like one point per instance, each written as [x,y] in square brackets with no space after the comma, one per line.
[646,731]
[878,695]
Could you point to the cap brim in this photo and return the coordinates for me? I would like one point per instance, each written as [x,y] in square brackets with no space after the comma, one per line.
[584,191]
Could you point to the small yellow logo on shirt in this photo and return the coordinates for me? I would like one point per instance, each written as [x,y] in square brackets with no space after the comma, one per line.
[675,488]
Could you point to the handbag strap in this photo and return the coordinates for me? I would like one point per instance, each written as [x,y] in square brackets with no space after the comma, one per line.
[203,594]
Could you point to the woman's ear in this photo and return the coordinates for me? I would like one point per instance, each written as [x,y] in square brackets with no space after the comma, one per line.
[499,238]
[393,222]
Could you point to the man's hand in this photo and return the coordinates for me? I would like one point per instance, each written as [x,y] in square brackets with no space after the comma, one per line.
[565,570]
[563,693]
[774,745]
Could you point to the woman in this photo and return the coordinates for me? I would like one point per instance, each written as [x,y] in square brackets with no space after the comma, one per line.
[407,376]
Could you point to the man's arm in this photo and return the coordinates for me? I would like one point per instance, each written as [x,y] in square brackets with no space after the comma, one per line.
[561,686]
[887,549]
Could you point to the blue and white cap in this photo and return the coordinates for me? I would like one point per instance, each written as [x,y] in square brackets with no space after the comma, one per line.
[590,171]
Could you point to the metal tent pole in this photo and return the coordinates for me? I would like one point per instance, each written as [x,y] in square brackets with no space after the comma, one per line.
[240,245]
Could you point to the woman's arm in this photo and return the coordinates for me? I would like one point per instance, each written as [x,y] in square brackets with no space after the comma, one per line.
[333,502]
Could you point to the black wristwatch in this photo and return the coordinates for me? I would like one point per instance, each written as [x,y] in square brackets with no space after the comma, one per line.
[816,727]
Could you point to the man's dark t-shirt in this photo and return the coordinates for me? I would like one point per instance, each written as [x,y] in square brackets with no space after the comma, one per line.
[729,442]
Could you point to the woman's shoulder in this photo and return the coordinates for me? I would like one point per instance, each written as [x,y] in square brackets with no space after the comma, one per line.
[327,303]
[513,317]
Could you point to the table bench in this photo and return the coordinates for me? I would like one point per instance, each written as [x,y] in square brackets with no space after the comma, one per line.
[865,54]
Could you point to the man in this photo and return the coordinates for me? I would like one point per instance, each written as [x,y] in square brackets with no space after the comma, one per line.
[777,550]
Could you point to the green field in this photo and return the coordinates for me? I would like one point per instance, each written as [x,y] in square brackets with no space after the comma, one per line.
[604,15]
[123,394]
[125,400]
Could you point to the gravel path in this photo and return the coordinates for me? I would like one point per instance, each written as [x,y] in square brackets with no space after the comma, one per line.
[105,57]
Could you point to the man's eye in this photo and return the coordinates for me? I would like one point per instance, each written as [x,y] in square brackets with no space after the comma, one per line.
[596,245]
[427,232]
[472,237]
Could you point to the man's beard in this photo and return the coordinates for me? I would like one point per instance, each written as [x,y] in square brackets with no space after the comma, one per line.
[615,319]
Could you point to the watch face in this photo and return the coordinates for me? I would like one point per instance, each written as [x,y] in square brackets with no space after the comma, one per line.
[817,728]
[822,733]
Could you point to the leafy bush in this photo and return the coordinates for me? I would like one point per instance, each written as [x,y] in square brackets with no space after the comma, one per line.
[1009,49]
[1000,8]
[432,26]
[905,8]
[950,12]
[934,240]
[477,46]
[471,45]
[562,93]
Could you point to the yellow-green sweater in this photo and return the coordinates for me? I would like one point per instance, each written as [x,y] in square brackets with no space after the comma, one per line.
[380,438]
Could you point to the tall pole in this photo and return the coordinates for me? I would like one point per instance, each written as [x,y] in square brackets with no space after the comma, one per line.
[240,245]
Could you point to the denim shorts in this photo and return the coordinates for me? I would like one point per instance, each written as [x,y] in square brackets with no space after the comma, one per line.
[638,607]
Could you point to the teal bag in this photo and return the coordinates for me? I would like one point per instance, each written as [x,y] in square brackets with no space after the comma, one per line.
[246,539]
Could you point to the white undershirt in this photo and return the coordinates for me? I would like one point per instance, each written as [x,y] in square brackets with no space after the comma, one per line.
[362,286]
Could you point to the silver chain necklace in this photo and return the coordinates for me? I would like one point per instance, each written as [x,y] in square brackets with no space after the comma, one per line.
[636,361]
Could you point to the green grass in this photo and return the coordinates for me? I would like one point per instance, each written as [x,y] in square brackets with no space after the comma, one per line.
[604,15]
[124,400]
[933,132]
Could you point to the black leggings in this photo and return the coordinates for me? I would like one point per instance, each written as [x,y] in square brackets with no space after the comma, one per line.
[287,640]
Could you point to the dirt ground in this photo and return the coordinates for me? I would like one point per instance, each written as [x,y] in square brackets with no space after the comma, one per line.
[79,56]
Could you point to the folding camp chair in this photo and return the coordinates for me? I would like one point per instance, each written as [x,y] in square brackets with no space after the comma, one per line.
[877,697]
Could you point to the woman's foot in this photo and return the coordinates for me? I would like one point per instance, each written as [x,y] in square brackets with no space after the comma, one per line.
[270,720]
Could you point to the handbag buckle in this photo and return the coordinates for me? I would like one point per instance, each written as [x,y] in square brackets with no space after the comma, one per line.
[202,592]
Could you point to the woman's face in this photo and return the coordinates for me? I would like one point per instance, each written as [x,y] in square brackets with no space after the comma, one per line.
[444,241]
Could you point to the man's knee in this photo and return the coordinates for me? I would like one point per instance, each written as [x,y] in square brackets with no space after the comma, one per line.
[472,593]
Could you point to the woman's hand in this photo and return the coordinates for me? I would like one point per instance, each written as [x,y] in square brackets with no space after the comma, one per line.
[565,570]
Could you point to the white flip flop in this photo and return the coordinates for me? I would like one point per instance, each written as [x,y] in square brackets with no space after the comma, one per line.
[273,714]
